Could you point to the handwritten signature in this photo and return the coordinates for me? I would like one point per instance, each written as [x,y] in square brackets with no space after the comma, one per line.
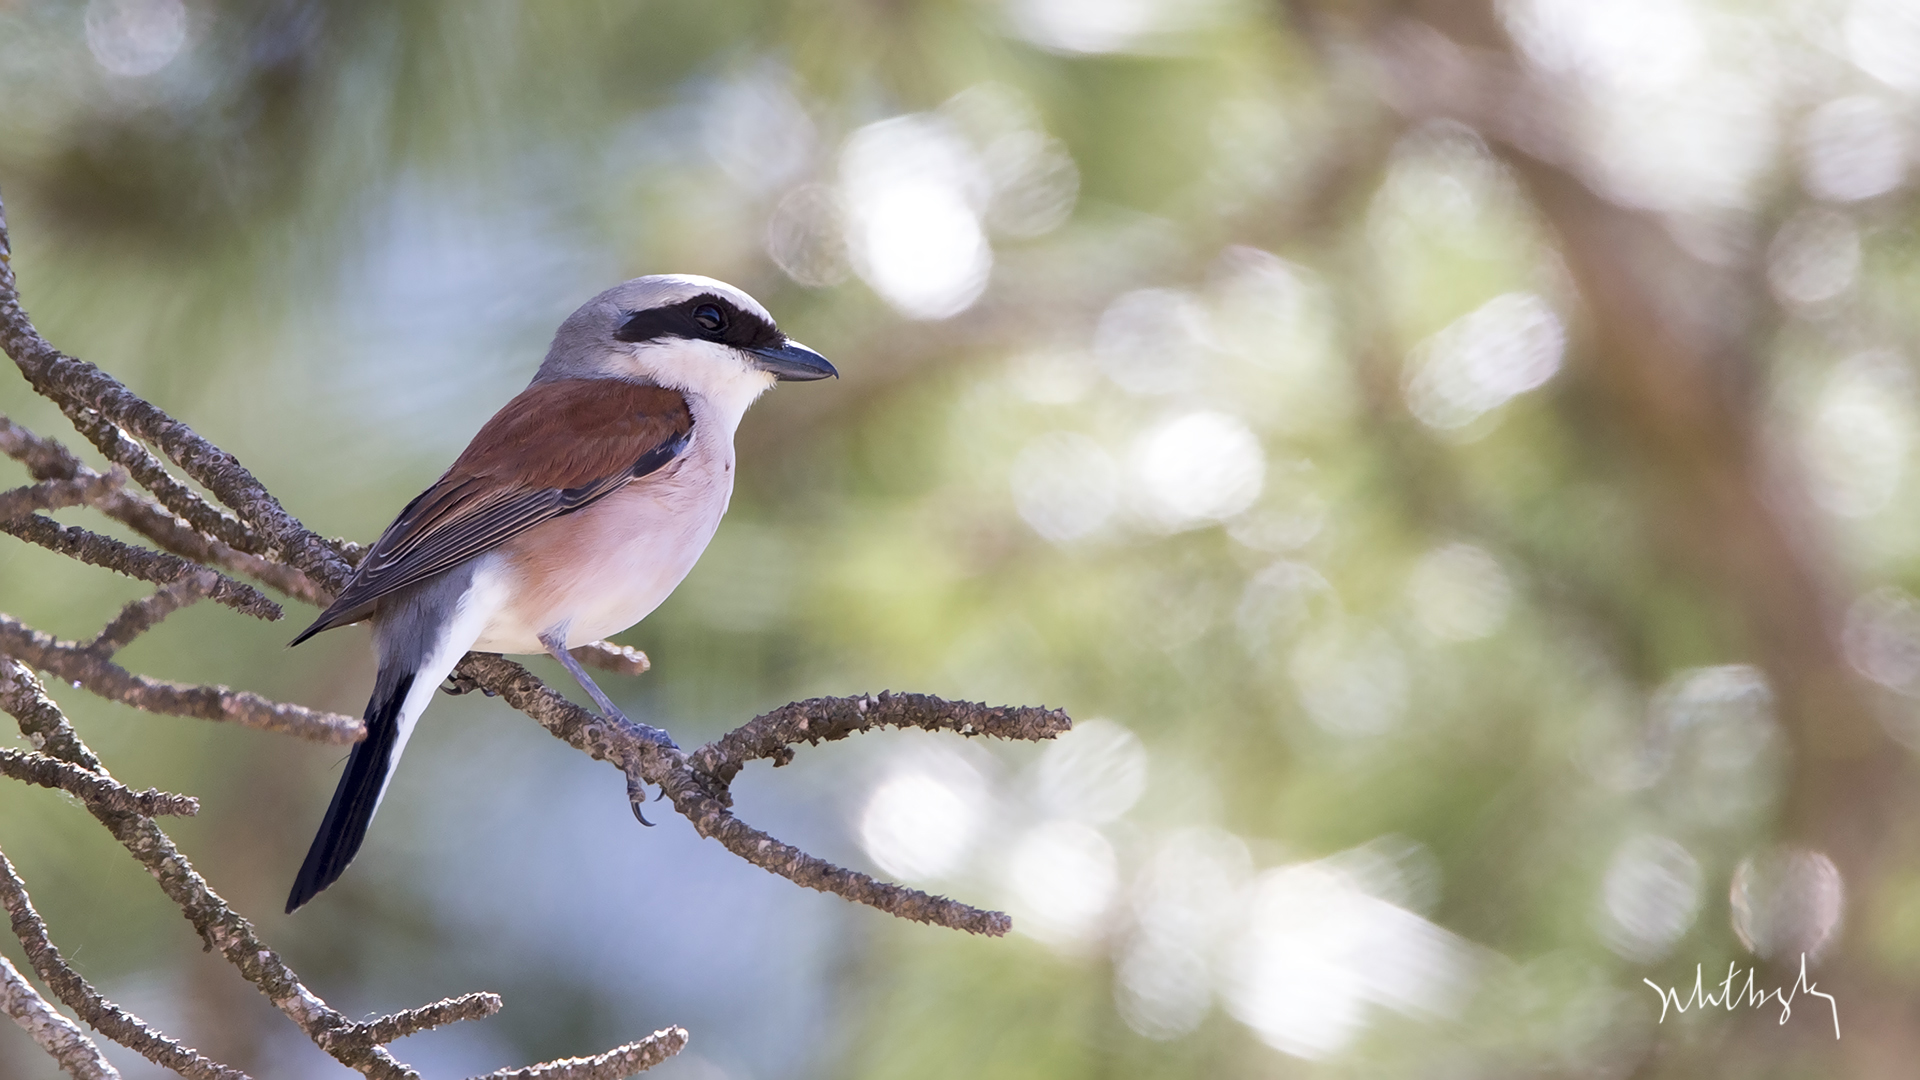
[1752,996]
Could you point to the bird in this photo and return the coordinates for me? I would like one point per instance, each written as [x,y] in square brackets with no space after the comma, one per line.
[571,516]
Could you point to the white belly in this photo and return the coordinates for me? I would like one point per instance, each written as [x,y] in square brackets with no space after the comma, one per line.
[597,572]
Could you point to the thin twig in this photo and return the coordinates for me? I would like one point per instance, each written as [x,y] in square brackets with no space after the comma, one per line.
[136,562]
[711,818]
[619,659]
[89,1004]
[818,720]
[62,1039]
[47,459]
[413,1021]
[144,614]
[77,663]
[92,788]
[147,469]
[219,926]
[55,494]
[615,1064]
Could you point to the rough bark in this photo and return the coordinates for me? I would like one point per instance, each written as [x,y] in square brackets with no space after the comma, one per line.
[135,562]
[77,663]
[62,1039]
[92,789]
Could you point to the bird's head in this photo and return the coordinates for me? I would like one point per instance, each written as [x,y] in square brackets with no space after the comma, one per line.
[689,333]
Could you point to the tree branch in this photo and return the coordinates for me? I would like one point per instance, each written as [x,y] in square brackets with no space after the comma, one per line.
[47,459]
[89,1004]
[144,614]
[92,788]
[619,659]
[218,925]
[60,1037]
[55,494]
[818,720]
[413,1021]
[615,1064]
[77,663]
[68,381]
[711,819]
[136,562]
[699,796]
[120,449]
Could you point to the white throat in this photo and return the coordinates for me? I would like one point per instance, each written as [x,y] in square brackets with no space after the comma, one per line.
[727,399]
[715,376]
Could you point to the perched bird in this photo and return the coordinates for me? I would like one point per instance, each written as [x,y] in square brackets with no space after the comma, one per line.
[571,515]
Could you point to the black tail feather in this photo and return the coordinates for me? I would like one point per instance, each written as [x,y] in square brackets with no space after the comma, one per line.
[345,826]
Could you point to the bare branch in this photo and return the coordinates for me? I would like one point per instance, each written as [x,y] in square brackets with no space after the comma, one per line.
[711,819]
[619,659]
[120,449]
[615,1064]
[47,459]
[413,1021]
[76,382]
[144,614]
[93,789]
[77,663]
[60,1037]
[590,733]
[102,1015]
[55,494]
[41,721]
[136,562]
[699,796]
[818,720]
[22,696]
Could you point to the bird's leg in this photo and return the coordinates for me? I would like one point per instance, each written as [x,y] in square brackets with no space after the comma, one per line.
[556,643]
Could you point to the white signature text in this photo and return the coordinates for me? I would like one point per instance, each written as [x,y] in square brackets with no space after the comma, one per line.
[1753,997]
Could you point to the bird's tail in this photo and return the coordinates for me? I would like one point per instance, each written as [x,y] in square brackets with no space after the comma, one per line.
[419,636]
[360,790]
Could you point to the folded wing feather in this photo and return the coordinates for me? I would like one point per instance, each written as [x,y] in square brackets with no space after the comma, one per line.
[555,448]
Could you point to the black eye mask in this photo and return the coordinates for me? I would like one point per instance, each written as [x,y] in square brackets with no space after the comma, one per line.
[703,318]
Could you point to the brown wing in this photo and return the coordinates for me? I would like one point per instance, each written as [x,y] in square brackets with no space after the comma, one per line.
[554,449]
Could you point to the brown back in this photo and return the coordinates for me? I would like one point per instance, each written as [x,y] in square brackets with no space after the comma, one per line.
[555,448]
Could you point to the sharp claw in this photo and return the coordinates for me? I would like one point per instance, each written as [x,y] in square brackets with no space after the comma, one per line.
[637,797]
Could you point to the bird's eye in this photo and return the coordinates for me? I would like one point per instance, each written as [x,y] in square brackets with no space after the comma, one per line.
[710,318]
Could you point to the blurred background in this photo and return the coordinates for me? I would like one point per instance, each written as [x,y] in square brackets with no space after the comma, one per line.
[1454,461]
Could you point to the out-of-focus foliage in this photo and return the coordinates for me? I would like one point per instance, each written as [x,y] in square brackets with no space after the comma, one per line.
[1185,386]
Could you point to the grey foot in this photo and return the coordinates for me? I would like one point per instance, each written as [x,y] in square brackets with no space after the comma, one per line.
[457,685]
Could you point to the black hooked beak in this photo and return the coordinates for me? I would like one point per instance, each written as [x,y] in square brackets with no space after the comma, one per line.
[792,362]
